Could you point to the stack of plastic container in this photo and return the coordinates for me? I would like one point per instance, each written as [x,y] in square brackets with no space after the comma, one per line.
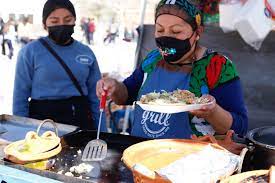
[253,19]
[253,23]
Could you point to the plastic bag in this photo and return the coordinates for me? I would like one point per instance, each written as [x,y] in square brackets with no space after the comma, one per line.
[229,9]
[253,23]
[205,166]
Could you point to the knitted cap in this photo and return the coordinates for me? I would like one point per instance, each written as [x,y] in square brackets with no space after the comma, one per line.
[52,5]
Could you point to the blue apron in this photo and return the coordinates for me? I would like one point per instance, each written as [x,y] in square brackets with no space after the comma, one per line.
[149,124]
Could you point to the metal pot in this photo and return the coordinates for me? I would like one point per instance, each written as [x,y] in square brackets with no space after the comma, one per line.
[263,140]
[261,148]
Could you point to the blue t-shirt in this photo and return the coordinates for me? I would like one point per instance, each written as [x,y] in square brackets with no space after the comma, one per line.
[40,76]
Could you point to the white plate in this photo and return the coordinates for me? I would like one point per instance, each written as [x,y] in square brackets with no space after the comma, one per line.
[171,108]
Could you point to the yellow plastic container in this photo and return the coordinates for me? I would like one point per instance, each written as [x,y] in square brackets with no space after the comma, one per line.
[34,148]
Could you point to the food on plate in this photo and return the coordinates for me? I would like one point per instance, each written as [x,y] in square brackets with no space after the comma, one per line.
[179,97]
[254,177]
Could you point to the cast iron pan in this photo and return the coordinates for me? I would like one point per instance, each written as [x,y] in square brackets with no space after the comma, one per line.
[261,146]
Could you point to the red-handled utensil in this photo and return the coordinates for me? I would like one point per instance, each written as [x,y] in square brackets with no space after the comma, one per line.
[96,150]
[103,100]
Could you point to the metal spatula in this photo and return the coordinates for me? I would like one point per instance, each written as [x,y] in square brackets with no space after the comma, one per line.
[96,150]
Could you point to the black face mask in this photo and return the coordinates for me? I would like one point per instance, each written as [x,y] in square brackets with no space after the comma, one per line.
[61,34]
[173,49]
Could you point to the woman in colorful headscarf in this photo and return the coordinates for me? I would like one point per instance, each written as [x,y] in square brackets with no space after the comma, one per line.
[180,62]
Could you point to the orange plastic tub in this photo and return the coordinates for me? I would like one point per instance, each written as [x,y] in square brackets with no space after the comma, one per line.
[156,154]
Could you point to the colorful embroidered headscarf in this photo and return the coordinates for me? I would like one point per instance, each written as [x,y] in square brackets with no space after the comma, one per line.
[184,9]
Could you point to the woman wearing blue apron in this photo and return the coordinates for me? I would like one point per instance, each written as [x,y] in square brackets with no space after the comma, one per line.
[161,125]
[181,63]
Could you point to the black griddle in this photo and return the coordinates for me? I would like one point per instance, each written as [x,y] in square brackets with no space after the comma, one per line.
[110,170]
